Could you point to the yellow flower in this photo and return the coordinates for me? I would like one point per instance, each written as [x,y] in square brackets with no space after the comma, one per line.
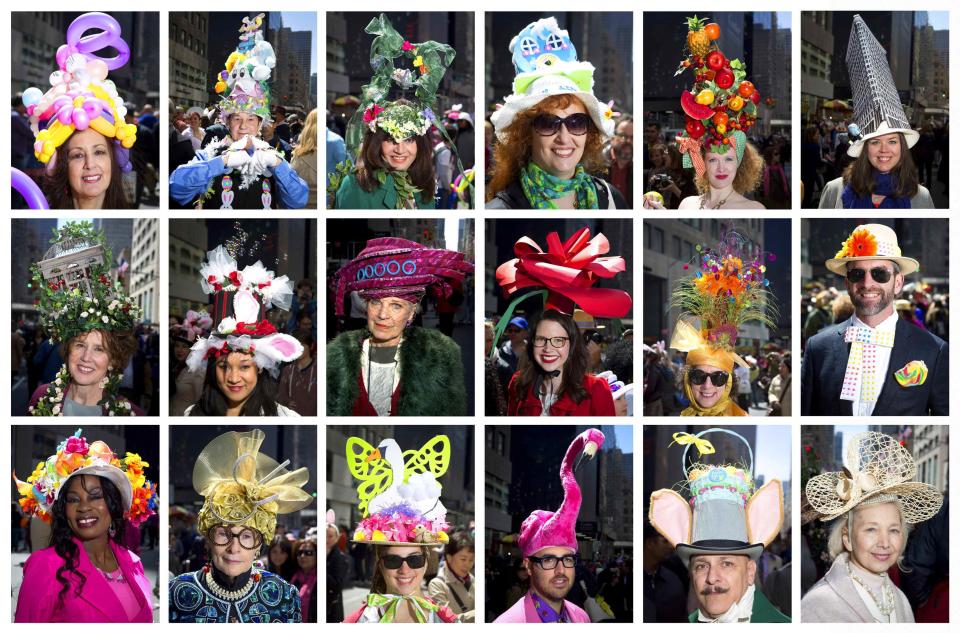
[418,61]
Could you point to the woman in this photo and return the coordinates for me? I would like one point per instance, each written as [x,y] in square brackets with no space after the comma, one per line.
[338,569]
[551,130]
[281,559]
[244,491]
[556,382]
[873,501]
[455,586]
[708,388]
[234,385]
[775,191]
[392,367]
[187,385]
[194,132]
[726,178]
[86,173]
[667,178]
[86,574]
[304,160]
[305,579]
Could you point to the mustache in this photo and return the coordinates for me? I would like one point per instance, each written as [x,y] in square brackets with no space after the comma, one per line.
[709,590]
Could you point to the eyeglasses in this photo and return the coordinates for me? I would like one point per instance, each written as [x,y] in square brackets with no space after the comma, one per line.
[247,538]
[550,562]
[879,274]
[558,342]
[549,124]
[718,378]
[306,552]
[414,561]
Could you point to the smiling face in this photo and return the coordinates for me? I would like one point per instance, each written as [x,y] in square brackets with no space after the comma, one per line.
[551,358]
[883,152]
[86,508]
[307,555]
[232,559]
[876,537]
[387,318]
[552,584]
[461,563]
[243,124]
[399,156]
[871,298]
[560,153]
[181,350]
[89,164]
[721,168]
[88,359]
[720,581]
[404,581]
[707,394]
[237,375]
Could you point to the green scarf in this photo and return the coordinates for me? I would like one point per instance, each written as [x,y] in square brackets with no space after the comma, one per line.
[406,192]
[392,601]
[541,188]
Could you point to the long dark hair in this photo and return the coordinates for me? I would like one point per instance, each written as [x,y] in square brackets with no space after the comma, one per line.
[62,536]
[290,566]
[421,170]
[56,184]
[213,402]
[859,173]
[574,369]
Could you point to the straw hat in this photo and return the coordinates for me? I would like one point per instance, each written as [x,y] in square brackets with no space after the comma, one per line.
[871,241]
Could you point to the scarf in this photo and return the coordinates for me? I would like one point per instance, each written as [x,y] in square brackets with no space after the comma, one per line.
[883,185]
[546,612]
[863,356]
[541,188]
[741,611]
[724,407]
[391,601]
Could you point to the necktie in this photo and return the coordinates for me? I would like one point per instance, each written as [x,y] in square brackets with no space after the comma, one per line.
[860,378]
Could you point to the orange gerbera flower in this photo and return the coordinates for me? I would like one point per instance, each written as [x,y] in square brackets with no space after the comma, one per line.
[861,243]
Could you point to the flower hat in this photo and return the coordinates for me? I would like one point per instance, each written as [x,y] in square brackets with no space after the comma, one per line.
[243,82]
[725,512]
[546,63]
[241,298]
[241,486]
[721,105]
[877,469]
[80,96]
[876,103]
[398,491]
[871,241]
[195,324]
[75,456]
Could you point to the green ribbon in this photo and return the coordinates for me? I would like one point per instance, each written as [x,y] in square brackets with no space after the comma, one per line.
[542,188]
[392,602]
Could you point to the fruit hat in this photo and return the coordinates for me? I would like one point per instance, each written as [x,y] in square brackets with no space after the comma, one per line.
[725,513]
[241,298]
[543,528]
[546,64]
[398,491]
[75,456]
[242,83]
[80,95]
[721,105]
[876,103]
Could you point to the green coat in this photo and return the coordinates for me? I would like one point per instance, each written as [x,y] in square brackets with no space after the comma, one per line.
[431,374]
[763,611]
[351,195]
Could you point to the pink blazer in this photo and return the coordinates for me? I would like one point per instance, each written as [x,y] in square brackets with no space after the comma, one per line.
[524,611]
[38,600]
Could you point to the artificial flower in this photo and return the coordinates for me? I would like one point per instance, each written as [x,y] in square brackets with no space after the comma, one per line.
[861,243]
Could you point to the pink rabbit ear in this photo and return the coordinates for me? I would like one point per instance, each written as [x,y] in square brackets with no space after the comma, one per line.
[765,513]
[331,517]
[671,515]
[246,308]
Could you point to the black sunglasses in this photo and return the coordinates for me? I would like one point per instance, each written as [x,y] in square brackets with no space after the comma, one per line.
[549,124]
[306,552]
[718,378]
[414,561]
[879,274]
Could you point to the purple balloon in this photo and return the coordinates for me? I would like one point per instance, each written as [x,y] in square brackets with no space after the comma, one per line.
[109,35]
[80,119]
[28,189]
[92,107]
[65,115]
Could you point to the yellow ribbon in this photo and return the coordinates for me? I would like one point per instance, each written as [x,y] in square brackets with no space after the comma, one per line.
[704,447]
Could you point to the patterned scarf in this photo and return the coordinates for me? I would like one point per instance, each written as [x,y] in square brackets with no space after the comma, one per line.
[391,601]
[862,362]
[546,612]
[883,185]
[541,188]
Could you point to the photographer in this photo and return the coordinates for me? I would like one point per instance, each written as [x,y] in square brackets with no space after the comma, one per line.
[667,178]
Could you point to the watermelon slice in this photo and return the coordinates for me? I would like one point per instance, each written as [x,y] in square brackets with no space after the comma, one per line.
[694,109]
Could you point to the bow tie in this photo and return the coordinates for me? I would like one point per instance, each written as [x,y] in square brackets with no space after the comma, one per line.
[864,342]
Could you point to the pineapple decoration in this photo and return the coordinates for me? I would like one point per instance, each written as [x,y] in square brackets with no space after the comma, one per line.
[722,101]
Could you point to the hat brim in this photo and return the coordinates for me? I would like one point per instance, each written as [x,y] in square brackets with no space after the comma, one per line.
[911,136]
[910,493]
[685,551]
[838,265]
[516,104]
[116,476]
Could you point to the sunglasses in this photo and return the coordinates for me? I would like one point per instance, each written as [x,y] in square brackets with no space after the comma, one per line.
[549,124]
[550,562]
[718,378]
[306,552]
[879,274]
[414,561]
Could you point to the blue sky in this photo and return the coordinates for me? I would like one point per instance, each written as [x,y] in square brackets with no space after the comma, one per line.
[303,21]
[624,433]
[939,20]
[772,452]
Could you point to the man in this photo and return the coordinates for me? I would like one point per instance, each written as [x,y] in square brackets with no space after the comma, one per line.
[664,593]
[874,363]
[621,159]
[651,137]
[548,541]
[508,356]
[338,568]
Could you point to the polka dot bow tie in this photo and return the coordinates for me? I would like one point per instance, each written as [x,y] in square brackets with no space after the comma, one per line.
[860,378]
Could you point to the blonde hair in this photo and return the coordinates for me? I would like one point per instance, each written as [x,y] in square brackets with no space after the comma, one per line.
[844,524]
[308,136]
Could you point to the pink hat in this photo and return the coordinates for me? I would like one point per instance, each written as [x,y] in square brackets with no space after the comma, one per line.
[544,529]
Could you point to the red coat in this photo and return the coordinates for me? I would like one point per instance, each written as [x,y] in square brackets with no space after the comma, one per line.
[598,401]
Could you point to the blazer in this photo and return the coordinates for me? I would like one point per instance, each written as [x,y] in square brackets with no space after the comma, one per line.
[39,593]
[524,611]
[835,599]
[832,196]
[825,363]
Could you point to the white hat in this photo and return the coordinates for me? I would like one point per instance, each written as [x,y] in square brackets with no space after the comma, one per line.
[874,241]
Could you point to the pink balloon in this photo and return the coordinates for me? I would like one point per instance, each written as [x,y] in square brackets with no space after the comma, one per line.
[92,107]
[64,115]
[97,69]
[80,119]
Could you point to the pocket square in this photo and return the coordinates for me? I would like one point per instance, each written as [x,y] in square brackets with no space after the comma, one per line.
[913,374]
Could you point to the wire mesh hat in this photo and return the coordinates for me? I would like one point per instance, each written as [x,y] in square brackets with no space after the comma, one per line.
[876,104]
[877,470]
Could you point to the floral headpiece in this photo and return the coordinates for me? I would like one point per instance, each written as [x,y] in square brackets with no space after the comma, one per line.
[80,95]
[75,456]
[243,81]
[399,120]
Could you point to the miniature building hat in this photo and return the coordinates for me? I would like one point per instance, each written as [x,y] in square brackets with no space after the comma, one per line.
[395,267]
[876,104]
[871,241]
[877,469]
[725,513]
[74,457]
[398,491]
[544,529]
[241,486]
[244,80]
[546,63]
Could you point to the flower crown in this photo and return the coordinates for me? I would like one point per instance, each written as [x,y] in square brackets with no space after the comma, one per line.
[399,120]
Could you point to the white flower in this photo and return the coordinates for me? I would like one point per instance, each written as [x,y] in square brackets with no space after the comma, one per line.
[126,405]
[227,326]
[58,381]
[96,302]
[84,314]
[110,412]
[56,409]
[106,319]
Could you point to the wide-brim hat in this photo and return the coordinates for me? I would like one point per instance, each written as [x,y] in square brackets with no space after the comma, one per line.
[875,241]
[116,476]
[910,136]
[549,86]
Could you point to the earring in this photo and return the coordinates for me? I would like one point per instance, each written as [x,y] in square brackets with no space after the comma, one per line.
[113,530]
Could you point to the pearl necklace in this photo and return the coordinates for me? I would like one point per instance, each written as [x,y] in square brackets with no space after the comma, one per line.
[886,604]
[229,596]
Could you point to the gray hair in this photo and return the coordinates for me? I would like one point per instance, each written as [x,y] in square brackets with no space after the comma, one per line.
[844,524]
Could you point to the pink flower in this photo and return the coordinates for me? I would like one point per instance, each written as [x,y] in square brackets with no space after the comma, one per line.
[77,445]
[370,114]
[407,46]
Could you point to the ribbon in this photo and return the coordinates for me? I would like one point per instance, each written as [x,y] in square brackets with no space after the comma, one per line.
[863,360]
[692,149]
[687,338]
[704,447]
[392,601]
[852,486]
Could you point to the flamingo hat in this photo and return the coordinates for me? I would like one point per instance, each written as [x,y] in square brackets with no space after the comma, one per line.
[544,529]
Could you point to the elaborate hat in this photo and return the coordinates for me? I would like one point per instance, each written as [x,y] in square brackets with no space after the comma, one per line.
[398,491]
[395,267]
[241,298]
[80,95]
[242,486]
[244,80]
[871,241]
[876,103]
[721,105]
[75,456]
[195,324]
[725,513]
[546,64]
[877,469]
[544,529]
